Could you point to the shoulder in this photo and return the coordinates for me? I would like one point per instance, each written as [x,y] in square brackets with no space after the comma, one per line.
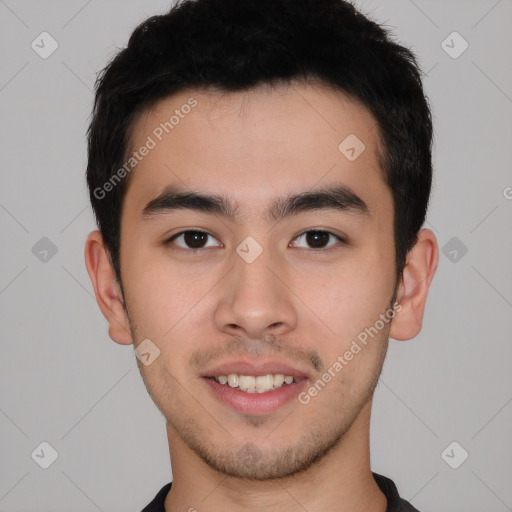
[157,505]
[395,502]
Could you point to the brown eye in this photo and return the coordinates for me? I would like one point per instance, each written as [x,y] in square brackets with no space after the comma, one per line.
[195,239]
[318,239]
[192,239]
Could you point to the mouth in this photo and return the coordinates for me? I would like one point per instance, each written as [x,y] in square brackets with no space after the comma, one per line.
[255,383]
[255,389]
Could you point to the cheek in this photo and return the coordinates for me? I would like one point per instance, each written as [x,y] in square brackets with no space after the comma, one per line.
[158,293]
[350,299]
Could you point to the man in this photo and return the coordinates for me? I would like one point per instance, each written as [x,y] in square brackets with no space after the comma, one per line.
[260,172]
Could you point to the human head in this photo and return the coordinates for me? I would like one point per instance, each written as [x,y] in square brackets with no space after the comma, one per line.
[235,46]
[260,126]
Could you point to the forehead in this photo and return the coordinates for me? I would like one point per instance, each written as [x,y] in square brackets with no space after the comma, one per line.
[256,144]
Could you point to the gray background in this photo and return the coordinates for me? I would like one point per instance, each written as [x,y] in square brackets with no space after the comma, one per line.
[65,382]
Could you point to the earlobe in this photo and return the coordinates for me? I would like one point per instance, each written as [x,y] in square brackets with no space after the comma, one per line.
[414,285]
[106,288]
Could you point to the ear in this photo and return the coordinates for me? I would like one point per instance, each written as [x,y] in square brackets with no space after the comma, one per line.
[106,288]
[420,266]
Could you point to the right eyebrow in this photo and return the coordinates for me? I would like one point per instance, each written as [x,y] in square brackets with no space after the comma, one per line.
[175,198]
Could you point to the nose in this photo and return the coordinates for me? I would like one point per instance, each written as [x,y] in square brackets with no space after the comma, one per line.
[255,300]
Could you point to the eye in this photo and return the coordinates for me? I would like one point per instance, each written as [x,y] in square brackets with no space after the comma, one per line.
[318,238]
[193,239]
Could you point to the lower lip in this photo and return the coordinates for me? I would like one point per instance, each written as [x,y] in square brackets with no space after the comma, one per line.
[255,403]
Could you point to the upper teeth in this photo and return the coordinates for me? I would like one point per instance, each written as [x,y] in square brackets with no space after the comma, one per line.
[255,384]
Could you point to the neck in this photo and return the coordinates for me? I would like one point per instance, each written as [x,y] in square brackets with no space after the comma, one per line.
[342,480]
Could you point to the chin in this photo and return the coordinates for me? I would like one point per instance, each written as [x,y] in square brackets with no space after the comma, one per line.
[261,462]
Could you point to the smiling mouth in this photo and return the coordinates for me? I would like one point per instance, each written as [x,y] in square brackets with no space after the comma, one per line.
[256,383]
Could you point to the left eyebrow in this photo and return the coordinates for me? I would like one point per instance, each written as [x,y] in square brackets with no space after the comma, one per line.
[339,198]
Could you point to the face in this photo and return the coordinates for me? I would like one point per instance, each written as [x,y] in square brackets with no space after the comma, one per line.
[253,244]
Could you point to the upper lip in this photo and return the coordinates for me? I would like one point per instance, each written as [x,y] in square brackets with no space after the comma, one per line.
[256,368]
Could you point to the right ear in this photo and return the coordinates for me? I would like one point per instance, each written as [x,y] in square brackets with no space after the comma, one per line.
[106,288]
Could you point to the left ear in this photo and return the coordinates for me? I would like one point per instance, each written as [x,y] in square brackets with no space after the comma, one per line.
[420,266]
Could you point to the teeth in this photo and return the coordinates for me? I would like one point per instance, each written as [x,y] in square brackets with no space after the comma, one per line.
[278,380]
[246,382]
[264,382]
[255,384]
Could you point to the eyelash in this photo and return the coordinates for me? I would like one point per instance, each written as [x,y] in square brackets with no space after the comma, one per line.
[169,241]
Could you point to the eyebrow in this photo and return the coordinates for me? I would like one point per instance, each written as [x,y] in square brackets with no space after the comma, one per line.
[338,197]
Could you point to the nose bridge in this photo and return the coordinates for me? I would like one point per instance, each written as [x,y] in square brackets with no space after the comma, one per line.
[254,299]
[252,274]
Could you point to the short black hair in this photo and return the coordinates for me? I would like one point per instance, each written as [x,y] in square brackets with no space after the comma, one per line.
[236,45]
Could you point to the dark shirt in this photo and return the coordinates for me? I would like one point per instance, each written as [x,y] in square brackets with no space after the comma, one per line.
[387,486]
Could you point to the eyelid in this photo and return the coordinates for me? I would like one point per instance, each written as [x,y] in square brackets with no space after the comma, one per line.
[171,239]
[341,238]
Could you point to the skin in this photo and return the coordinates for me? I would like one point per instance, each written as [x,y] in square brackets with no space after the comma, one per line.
[295,302]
